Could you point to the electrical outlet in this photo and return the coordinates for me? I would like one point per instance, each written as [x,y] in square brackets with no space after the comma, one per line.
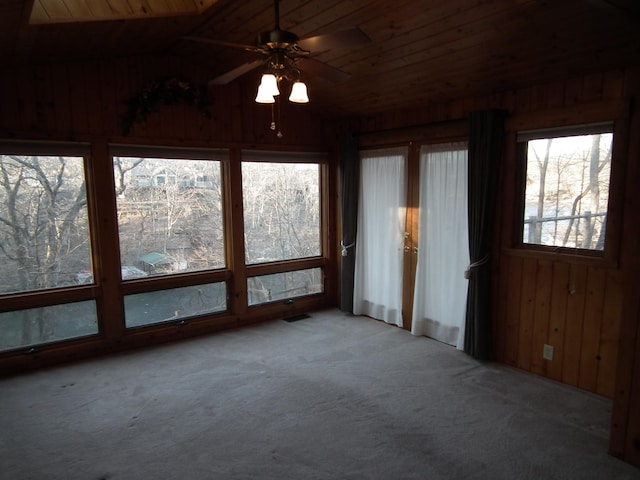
[547,352]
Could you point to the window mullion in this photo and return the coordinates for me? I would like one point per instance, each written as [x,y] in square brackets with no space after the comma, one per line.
[234,217]
[106,246]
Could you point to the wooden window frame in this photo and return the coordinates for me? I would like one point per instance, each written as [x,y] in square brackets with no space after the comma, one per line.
[50,297]
[290,265]
[67,294]
[109,290]
[185,279]
[563,120]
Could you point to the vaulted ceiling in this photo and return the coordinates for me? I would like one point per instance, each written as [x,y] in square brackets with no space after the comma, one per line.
[421,51]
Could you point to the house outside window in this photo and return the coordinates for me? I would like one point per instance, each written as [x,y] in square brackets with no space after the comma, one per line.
[168,226]
[171,222]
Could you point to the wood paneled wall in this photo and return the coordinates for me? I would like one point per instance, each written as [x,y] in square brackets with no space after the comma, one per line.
[584,308]
[575,308]
[86,101]
[587,311]
[573,305]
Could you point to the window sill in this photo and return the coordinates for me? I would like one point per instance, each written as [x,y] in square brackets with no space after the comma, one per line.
[585,257]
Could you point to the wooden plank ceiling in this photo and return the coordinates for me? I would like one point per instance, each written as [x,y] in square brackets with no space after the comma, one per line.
[65,11]
[422,51]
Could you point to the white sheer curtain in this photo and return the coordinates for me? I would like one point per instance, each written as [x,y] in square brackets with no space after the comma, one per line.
[439,302]
[380,238]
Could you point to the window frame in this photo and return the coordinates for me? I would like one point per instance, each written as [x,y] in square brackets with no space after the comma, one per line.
[68,294]
[609,255]
[283,266]
[183,279]
[108,290]
[236,272]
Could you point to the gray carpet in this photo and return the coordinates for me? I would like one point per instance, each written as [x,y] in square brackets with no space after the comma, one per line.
[328,397]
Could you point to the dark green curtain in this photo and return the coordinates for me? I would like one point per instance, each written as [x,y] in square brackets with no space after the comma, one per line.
[486,133]
[349,183]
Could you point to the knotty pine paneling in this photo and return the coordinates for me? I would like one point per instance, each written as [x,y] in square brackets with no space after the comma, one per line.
[26,117]
[512,312]
[590,348]
[574,308]
[625,423]
[573,305]
[78,98]
[527,311]
[70,11]
[542,303]
[106,113]
[85,102]
[88,101]
[609,333]
[558,318]
[574,321]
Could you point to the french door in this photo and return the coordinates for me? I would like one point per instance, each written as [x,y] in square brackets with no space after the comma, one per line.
[412,243]
[378,282]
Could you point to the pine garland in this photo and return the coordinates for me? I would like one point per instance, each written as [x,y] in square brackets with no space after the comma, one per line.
[165,91]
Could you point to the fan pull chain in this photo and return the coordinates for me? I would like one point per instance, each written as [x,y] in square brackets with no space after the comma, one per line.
[279,134]
[273,121]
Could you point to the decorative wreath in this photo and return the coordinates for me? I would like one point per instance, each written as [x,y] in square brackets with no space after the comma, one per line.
[165,91]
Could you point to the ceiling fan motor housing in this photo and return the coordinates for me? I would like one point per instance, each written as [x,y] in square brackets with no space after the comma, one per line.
[277,39]
[283,51]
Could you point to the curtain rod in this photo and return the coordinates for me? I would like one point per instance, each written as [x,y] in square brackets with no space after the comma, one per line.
[461,122]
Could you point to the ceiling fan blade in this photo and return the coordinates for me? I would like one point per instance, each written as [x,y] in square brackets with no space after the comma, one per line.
[236,72]
[350,37]
[212,41]
[319,69]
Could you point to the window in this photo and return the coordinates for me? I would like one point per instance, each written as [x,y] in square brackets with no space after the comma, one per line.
[174,304]
[167,262]
[170,222]
[281,210]
[170,216]
[35,326]
[44,223]
[45,244]
[282,223]
[282,286]
[566,190]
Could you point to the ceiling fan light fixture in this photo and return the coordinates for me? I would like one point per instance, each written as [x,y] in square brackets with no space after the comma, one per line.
[299,93]
[264,95]
[270,84]
[284,55]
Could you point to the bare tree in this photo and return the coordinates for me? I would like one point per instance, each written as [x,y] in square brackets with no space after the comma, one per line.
[567,183]
[542,164]
[281,210]
[43,219]
[591,189]
[171,207]
[120,169]
[43,228]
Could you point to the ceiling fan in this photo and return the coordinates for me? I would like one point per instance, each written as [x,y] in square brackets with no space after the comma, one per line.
[285,55]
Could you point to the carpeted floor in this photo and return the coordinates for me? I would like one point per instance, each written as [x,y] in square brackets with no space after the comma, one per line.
[327,397]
